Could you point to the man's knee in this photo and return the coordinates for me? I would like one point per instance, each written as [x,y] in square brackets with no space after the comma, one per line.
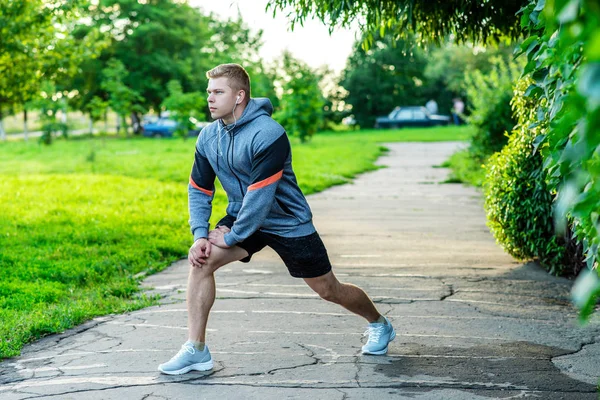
[209,267]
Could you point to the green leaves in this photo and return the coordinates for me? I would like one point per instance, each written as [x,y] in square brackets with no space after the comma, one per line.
[586,292]
[518,201]
[566,69]
[589,84]
[489,95]
[122,98]
[475,21]
[184,106]
[37,45]
[301,112]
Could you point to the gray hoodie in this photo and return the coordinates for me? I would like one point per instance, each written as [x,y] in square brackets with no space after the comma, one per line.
[253,161]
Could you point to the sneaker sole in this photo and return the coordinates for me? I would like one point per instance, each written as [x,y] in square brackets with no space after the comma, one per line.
[205,366]
[385,350]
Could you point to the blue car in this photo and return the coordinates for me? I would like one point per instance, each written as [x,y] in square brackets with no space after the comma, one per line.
[166,127]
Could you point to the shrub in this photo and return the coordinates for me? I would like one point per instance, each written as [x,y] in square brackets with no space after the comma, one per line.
[489,96]
[518,202]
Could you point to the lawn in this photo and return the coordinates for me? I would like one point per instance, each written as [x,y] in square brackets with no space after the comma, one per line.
[82,221]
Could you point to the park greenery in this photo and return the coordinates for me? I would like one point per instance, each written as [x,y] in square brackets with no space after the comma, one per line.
[84,220]
[80,232]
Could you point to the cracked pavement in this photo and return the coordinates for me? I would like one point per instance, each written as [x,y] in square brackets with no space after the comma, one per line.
[471,322]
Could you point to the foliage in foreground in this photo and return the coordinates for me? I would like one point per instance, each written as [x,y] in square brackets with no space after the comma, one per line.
[563,54]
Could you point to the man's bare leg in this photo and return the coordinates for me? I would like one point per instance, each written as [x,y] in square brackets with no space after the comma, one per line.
[201,289]
[354,299]
[349,296]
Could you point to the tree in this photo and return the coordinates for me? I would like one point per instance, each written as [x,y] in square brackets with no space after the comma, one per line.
[159,41]
[469,20]
[262,81]
[336,108]
[381,78]
[449,63]
[184,106]
[97,108]
[122,99]
[302,103]
[36,46]
[49,102]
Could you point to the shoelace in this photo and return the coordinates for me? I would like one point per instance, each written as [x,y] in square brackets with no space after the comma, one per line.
[374,333]
[185,349]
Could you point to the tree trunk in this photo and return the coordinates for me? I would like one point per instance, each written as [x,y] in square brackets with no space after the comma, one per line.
[2,133]
[124,124]
[91,125]
[106,122]
[136,123]
[25,128]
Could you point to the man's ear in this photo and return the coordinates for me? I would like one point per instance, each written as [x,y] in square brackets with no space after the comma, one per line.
[240,97]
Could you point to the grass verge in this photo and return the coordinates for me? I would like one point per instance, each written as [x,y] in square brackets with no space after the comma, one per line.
[465,169]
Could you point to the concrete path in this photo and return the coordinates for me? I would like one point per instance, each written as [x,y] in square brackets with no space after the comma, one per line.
[471,322]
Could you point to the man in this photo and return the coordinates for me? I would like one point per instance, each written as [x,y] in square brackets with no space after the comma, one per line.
[458,109]
[250,154]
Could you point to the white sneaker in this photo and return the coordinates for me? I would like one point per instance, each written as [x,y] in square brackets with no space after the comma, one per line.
[188,358]
[380,335]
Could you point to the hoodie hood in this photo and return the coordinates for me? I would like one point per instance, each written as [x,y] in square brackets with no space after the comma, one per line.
[256,107]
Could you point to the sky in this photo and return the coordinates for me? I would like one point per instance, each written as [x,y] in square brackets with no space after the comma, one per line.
[310,43]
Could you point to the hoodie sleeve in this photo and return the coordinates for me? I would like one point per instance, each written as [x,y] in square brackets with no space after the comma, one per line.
[201,191]
[267,170]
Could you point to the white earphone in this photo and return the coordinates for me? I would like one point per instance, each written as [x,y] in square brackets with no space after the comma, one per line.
[237,101]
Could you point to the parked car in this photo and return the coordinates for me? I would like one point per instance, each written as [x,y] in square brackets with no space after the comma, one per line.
[166,127]
[411,116]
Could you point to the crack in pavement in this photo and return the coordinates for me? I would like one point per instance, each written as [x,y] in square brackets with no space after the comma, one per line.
[358,371]
[311,354]
[154,395]
[336,386]
[452,292]
[344,394]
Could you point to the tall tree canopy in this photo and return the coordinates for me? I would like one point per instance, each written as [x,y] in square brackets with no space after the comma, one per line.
[468,20]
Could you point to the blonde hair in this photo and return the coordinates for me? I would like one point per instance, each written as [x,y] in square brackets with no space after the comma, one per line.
[235,73]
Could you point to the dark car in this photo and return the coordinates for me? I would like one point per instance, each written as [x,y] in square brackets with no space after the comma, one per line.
[412,116]
[166,127]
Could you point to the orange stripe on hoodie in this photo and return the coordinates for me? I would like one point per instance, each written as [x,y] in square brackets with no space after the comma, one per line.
[206,192]
[266,182]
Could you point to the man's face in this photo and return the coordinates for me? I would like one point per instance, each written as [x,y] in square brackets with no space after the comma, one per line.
[221,98]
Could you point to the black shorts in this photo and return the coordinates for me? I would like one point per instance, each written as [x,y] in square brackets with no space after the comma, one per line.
[304,256]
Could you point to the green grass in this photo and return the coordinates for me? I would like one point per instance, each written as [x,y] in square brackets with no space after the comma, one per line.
[82,221]
[465,169]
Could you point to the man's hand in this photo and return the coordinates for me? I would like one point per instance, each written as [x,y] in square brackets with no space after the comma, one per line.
[216,236]
[199,252]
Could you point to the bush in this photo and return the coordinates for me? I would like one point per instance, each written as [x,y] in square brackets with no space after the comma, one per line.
[489,96]
[518,202]
[563,55]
